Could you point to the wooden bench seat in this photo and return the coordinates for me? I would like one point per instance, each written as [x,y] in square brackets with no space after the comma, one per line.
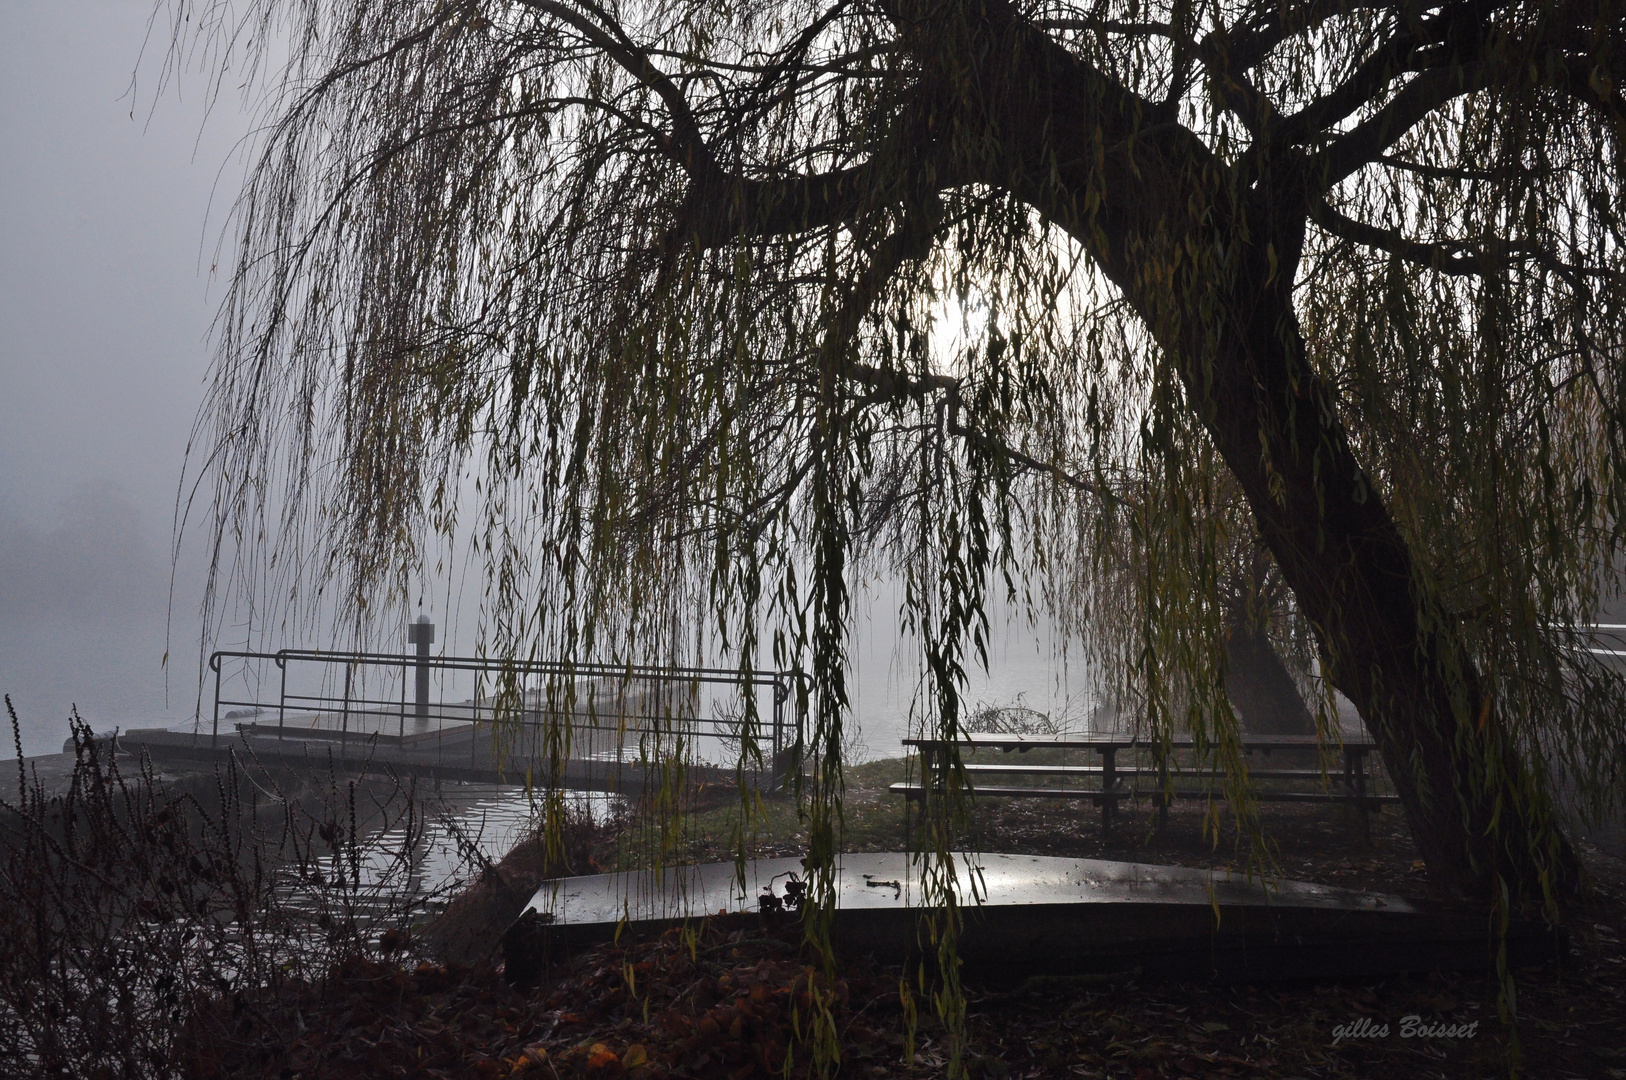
[1097,770]
[914,791]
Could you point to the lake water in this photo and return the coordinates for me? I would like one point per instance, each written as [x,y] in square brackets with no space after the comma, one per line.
[469,824]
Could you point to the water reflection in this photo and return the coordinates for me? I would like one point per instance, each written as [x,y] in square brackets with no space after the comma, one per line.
[424,854]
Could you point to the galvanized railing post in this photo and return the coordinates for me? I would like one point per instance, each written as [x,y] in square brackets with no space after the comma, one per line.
[403,707]
[214,736]
[344,731]
[282,694]
[780,693]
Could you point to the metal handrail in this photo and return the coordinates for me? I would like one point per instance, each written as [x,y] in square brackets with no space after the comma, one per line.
[348,704]
[753,676]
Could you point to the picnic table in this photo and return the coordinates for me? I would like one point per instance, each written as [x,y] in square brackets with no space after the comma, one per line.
[1353,781]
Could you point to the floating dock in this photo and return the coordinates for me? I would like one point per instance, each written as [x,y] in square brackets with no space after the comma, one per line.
[619,728]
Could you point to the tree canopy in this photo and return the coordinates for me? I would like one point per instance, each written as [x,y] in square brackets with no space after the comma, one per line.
[1118,302]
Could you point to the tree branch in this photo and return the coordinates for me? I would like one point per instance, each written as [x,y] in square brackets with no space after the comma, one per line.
[1370,138]
[1459,260]
[1404,52]
[1247,46]
[686,145]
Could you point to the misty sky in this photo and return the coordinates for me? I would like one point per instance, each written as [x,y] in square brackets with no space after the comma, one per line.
[106,237]
[104,314]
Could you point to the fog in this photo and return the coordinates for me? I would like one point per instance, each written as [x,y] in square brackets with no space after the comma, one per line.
[112,201]
[104,314]
[85,603]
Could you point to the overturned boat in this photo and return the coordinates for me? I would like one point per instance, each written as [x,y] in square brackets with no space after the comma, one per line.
[1034,914]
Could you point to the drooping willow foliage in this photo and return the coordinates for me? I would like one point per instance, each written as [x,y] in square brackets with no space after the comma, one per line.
[682,309]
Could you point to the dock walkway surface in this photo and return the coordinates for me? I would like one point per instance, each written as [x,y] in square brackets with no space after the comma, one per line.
[459,755]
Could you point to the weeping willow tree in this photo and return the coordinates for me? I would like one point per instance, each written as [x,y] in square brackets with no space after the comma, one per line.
[685,309]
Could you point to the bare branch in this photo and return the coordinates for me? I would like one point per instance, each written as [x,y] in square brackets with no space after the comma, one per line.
[1369,139]
[1444,258]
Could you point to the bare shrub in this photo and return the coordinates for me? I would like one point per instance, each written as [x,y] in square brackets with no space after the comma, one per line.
[1013,719]
[136,913]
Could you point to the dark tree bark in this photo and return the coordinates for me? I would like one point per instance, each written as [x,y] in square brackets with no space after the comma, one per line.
[1261,689]
[1351,570]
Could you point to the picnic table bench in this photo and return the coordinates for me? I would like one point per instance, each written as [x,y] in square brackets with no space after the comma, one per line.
[1353,781]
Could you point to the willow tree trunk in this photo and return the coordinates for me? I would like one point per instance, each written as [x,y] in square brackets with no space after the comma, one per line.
[1260,687]
[1473,812]
[1208,258]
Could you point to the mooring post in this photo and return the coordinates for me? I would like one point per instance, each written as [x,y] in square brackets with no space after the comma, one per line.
[421,632]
